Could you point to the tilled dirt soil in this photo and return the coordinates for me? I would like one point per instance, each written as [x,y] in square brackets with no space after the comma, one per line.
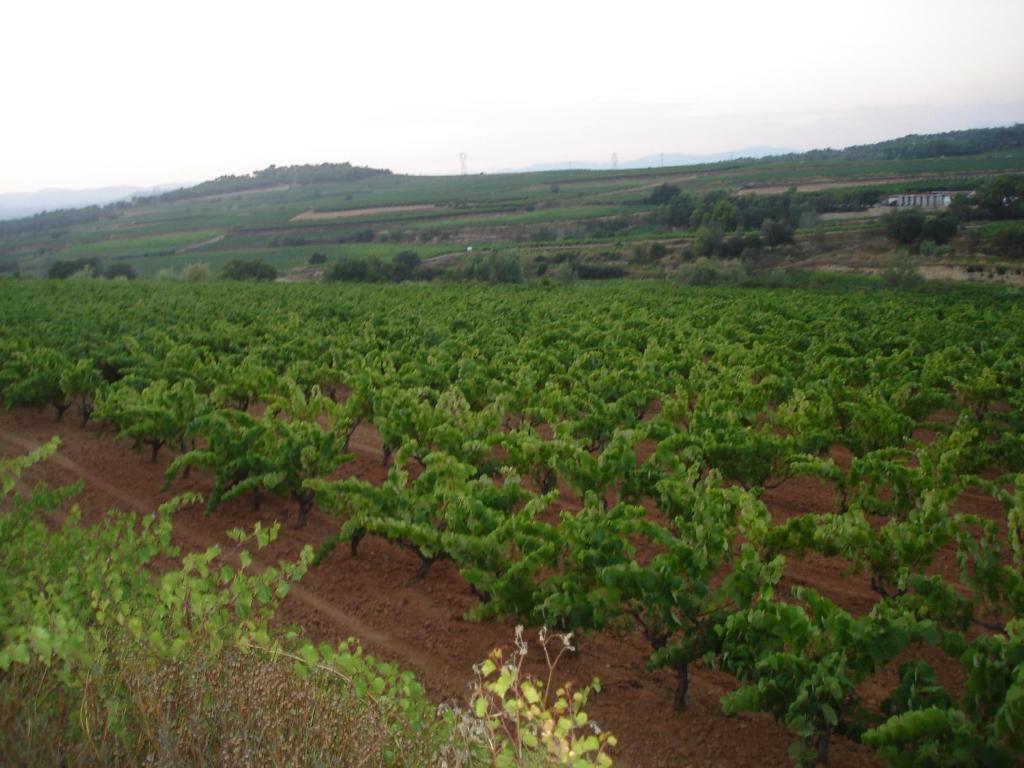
[420,625]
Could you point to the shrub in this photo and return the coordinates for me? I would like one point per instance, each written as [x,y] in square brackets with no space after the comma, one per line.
[662,194]
[657,251]
[496,268]
[61,270]
[543,234]
[776,232]
[905,226]
[599,272]
[318,257]
[523,719]
[709,240]
[126,271]
[704,271]
[941,228]
[196,273]
[103,662]
[348,270]
[404,264]
[902,275]
[239,269]
[680,210]
[1008,240]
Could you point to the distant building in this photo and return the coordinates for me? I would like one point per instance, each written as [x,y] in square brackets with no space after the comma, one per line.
[920,200]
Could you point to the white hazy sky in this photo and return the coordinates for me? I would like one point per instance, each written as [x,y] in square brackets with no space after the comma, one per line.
[103,92]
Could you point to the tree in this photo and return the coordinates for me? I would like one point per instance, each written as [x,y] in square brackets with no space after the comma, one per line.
[680,209]
[941,228]
[61,270]
[776,232]
[404,265]
[905,226]
[709,240]
[1000,198]
[662,194]
[1009,240]
[126,271]
[239,269]
[356,271]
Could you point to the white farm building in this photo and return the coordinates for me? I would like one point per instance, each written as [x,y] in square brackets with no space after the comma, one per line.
[920,200]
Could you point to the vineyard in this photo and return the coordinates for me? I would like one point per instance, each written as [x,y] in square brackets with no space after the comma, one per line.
[610,460]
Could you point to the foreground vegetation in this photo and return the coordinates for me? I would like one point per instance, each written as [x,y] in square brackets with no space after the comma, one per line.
[105,662]
[588,457]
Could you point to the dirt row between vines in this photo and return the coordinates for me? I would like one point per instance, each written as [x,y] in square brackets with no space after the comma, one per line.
[420,625]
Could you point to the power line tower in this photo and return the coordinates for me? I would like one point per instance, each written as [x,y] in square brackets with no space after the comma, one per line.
[463,163]
[615,161]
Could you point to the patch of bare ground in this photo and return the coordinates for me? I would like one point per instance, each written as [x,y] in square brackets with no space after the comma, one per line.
[201,244]
[818,185]
[984,274]
[352,213]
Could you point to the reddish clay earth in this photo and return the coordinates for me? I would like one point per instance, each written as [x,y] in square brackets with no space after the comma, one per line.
[420,625]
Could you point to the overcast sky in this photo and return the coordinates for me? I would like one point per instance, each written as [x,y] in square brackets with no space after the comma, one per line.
[103,92]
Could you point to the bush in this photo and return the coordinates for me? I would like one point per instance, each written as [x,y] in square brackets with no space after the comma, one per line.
[662,194]
[902,275]
[709,240]
[1008,240]
[348,270]
[543,234]
[196,273]
[680,210]
[239,269]
[496,268]
[61,270]
[776,232]
[599,272]
[103,662]
[404,264]
[126,271]
[318,257]
[905,226]
[707,272]
[941,229]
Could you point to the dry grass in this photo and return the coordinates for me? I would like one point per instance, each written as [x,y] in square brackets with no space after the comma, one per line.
[232,708]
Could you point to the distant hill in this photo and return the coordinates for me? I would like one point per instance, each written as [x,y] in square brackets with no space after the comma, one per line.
[119,198]
[754,153]
[36,212]
[973,141]
[16,205]
[655,161]
[273,176]
[922,146]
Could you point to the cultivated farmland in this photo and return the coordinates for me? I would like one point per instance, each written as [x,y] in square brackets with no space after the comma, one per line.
[782,524]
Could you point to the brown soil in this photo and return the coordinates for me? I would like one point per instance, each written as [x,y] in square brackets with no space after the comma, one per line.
[201,244]
[420,625]
[356,212]
[815,186]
